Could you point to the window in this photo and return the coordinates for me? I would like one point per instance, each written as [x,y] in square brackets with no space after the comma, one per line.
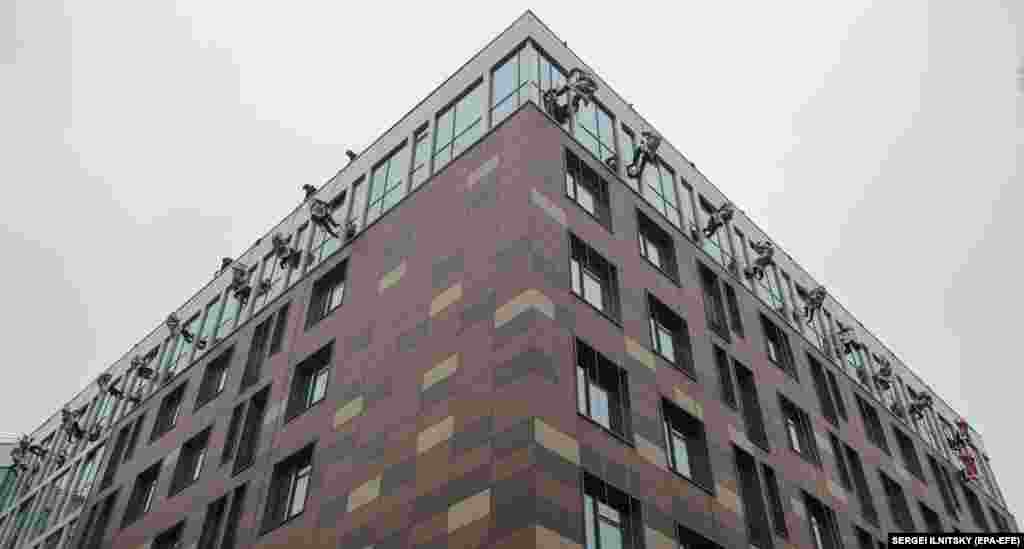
[759,530]
[133,441]
[799,431]
[289,486]
[822,522]
[587,189]
[860,480]
[872,425]
[659,189]
[420,157]
[115,456]
[209,328]
[257,352]
[844,472]
[735,319]
[250,436]
[212,523]
[523,77]
[687,445]
[170,538]
[231,438]
[593,279]
[280,325]
[945,487]
[594,129]
[931,518]
[602,390]
[387,184]
[309,384]
[771,487]
[908,453]
[977,513]
[897,504]
[214,378]
[611,518]
[728,390]
[355,215]
[777,347]
[753,418]
[670,337]
[459,126]
[142,495]
[328,293]
[170,409]
[190,462]
[271,281]
[824,392]
[230,314]
[657,246]
[324,245]
[234,517]
[180,349]
[96,526]
[837,395]
[714,306]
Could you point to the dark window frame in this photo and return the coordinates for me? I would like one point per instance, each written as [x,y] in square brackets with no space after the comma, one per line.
[873,427]
[167,418]
[305,376]
[585,260]
[295,470]
[325,299]
[143,493]
[797,422]
[601,371]
[714,301]
[214,379]
[579,174]
[777,339]
[191,461]
[649,234]
[694,434]
[662,317]
[726,385]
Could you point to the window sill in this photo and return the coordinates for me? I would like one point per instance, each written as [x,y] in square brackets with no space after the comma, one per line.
[295,415]
[674,365]
[200,405]
[606,224]
[663,272]
[610,318]
[619,437]
[709,490]
[721,332]
[268,529]
[313,323]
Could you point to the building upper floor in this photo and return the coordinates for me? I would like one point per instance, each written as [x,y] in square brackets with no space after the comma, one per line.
[524,63]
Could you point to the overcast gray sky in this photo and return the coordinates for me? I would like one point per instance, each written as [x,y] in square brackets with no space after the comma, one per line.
[879,143]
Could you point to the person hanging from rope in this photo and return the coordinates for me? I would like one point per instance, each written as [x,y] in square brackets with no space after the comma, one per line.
[765,251]
[580,87]
[320,211]
[643,153]
[718,219]
[69,423]
[813,302]
[286,254]
[175,327]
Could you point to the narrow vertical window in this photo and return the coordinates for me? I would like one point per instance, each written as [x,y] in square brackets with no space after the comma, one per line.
[420,157]
[728,390]
[328,293]
[593,279]
[670,335]
[459,126]
[309,384]
[587,189]
[602,390]
[289,486]
[387,184]
[687,445]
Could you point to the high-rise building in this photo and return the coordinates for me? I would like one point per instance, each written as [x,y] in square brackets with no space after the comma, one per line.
[538,325]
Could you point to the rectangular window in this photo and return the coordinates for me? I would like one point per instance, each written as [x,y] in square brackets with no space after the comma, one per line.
[355,214]
[771,487]
[977,513]
[714,305]
[280,325]
[250,437]
[897,504]
[657,246]
[208,331]
[593,278]
[753,417]
[670,336]
[387,183]
[234,517]
[96,526]
[659,189]
[230,313]
[190,462]
[945,487]
[231,438]
[759,530]
[115,456]
[687,445]
[728,389]
[777,347]
[931,518]
[180,349]
[212,523]
[837,395]
[257,352]
[271,282]
[170,409]
[289,487]
[323,246]
[587,189]
[717,245]
[908,453]
[420,157]
[602,390]
[860,480]
[594,130]
[872,425]
[824,392]
[142,494]
[735,319]
[309,384]
[214,378]
[844,472]
[328,293]
[170,538]
[799,431]
[822,522]
[611,518]
[459,126]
